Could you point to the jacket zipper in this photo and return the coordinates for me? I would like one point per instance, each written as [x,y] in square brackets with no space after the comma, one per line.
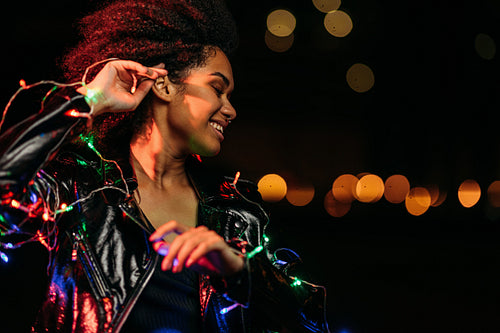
[81,250]
[123,315]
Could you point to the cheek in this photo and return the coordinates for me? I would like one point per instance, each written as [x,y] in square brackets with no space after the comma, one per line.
[198,106]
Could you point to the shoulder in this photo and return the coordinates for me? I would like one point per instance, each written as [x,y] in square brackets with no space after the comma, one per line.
[244,187]
[212,184]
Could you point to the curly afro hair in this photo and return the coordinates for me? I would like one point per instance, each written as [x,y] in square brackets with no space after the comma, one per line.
[182,34]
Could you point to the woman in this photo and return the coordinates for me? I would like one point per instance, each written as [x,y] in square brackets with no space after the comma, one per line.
[142,238]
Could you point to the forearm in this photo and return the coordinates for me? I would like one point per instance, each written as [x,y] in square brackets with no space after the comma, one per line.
[26,147]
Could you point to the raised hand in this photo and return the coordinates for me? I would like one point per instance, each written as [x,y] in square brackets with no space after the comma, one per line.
[120,86]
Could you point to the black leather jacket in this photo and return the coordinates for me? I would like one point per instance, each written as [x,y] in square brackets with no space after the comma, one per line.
[100,256]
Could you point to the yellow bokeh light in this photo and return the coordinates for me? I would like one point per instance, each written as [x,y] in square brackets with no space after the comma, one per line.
[360,78]
[418,201]
[278,44]
[485,46]
[396,188]
[370,188]
[469,193]
[272,187]
[494,194]
[281,23]
[334,207]
[338,23]
[344,188]
[326,6]
[300,194]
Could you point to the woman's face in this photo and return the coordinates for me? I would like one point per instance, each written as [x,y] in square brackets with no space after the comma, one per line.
[199,113]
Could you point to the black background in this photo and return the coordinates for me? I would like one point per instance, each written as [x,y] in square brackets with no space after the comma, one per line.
[431,116]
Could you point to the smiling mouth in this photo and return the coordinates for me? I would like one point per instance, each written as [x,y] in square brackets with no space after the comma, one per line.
[218,127]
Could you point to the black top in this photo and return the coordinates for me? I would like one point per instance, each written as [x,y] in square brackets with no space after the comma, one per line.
[170,303]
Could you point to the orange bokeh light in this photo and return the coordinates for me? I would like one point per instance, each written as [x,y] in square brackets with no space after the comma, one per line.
[344,188]
[418,201]
[369,188]
[437,196]
[494,194]
[334,207]
[299,194]
[469,193]
[396,188]
[272,187]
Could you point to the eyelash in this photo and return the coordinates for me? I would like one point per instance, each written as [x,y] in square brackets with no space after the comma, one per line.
[218,91]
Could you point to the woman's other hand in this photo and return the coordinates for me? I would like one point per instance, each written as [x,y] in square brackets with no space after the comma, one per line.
[199,249]
[120,86]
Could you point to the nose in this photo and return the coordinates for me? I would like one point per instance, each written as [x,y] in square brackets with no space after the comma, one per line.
[228,111]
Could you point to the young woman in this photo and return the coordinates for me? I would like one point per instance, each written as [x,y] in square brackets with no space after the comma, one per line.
[142,238]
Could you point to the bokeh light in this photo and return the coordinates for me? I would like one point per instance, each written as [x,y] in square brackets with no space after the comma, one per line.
[344,188]
[494,194]
[272,187]
[338,23]
[469,193]
[278,44]
[396,188]
[437,195]
[418,201]
[326,6]
[485,46]
[281,23]
[299,193]
[360,78]
[370,188]
[334,207]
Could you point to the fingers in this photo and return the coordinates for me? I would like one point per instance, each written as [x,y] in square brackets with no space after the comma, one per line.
[166,229]
[139,69]
[212,243]
[146,72]
[199,246]
[122,85]
[182,246]
[151,73]
[194,248]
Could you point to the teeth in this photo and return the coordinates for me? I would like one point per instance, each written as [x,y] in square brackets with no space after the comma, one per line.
[217,127]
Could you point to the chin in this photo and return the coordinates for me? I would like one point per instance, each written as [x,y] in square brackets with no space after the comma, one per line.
[205,151]
[210,153]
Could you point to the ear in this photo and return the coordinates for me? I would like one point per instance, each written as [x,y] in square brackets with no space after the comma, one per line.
[164,89]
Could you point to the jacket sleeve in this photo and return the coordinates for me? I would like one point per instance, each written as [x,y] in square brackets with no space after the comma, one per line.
[24,150]
[275,299]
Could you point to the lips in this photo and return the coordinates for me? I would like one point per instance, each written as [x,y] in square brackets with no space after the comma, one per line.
[218,130]
[217,126]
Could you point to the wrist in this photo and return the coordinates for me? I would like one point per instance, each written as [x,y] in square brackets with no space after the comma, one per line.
[94,99]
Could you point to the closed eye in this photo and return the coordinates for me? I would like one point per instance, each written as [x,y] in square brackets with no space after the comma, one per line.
[218,91]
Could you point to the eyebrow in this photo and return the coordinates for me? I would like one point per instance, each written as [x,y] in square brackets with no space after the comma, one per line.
[222,76]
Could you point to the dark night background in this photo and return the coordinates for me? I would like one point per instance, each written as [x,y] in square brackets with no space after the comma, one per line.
[431,116]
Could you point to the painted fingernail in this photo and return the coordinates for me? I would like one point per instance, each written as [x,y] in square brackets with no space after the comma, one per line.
[163,251]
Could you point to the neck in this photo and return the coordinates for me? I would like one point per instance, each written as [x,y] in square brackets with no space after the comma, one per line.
[155,164]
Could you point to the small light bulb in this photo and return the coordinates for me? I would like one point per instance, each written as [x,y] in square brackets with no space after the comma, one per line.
[4,257]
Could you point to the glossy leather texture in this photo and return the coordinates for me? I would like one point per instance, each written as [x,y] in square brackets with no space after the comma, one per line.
[100,256]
